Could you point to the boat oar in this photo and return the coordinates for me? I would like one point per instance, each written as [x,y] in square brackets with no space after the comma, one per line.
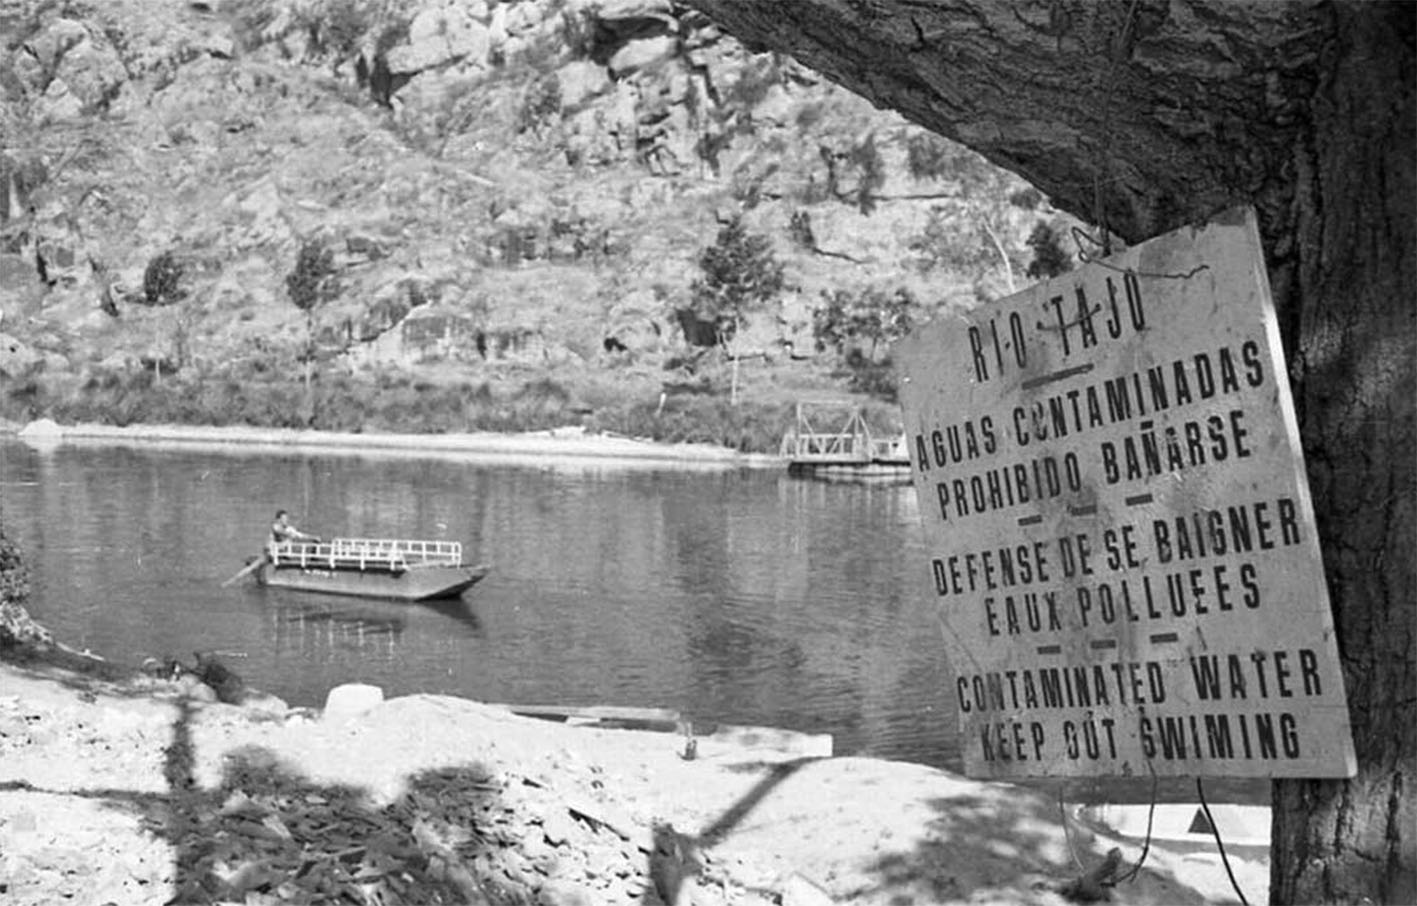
[246,570]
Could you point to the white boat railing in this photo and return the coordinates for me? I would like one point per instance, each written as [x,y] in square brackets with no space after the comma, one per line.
[366,553]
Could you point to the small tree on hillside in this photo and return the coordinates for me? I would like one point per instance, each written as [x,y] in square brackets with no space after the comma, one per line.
[162,280]
[740,274]
[308,286]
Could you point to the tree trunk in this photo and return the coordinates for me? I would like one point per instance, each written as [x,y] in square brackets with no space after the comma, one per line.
[1355,294]
[1003,255]
[1147,115]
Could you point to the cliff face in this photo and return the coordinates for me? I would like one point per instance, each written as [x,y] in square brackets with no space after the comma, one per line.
[500,186]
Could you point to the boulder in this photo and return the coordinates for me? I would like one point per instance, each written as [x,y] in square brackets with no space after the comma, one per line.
[351,700]
[625,10]
[631,18]
[18,628]
[637,55]
[439,35]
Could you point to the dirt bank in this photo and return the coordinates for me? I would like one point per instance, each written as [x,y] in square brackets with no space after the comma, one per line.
[140,791]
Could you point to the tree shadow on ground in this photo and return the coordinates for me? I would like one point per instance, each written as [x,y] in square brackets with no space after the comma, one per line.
[975,843]
[676,859]
[266,834]
[1002,844]
[1007,846]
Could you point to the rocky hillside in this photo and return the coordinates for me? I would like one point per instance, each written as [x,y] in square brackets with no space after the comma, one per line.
[466,190]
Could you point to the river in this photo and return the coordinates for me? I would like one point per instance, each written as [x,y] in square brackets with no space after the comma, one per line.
[732,595]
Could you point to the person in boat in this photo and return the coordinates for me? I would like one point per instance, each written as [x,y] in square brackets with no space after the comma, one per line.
[282,532]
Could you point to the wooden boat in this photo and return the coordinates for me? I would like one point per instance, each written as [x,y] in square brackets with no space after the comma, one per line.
[404,570]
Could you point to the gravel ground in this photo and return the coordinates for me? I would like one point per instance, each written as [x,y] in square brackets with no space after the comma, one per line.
[147,791]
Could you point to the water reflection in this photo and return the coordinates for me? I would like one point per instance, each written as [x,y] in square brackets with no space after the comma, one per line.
[311,629]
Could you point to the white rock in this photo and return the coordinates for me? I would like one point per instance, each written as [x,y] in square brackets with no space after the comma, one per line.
[351,700]
[190,687]
[636,55]
[614,10]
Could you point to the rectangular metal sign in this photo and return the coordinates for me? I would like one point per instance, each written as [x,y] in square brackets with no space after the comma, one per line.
[1119,533]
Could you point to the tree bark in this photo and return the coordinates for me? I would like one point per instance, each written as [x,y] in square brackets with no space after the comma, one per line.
[1147,115]
[1354,372]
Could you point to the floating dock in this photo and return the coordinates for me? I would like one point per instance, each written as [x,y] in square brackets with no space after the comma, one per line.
[833,440]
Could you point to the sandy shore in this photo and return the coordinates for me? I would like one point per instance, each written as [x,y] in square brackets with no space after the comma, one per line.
[138,791]
[560,445]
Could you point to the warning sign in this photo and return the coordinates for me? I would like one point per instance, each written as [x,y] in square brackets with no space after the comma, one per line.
[1119,531]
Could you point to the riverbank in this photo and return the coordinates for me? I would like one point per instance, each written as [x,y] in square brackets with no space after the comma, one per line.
[130,789]
[402,404]
[532,447]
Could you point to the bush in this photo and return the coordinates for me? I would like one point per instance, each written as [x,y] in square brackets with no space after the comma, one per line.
[249,21]
[873,316]
[578,34]
[951,241]
[799,230]
[14,576]
[161,279]
[306,284]
[1049,257]
[871,377]
[866,158]
[337,29]
[1028,198]
[754,82]
[927,156]
[346,23]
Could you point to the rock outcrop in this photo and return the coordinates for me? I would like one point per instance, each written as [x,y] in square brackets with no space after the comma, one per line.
[502,185]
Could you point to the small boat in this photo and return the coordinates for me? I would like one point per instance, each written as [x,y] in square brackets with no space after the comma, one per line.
[404,570]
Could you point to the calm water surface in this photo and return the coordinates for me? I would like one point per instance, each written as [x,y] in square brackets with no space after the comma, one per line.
[734,596]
